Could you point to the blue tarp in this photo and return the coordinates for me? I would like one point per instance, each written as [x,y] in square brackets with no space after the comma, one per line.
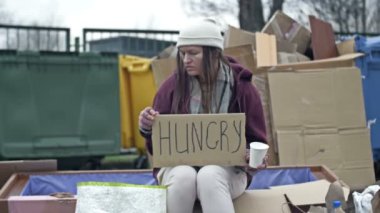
[277,177]
[48,184]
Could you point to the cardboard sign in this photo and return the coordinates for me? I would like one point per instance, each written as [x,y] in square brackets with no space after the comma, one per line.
[198,140]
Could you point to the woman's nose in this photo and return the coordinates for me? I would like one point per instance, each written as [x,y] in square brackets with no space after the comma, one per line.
[186,58]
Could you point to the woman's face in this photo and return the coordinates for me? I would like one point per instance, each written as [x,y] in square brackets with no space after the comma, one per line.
[191,57]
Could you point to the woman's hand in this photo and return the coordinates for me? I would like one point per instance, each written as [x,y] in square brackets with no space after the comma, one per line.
[261,166]
[146,118]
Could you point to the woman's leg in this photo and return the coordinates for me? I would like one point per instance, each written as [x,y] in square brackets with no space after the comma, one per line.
[181,183]
[217,186]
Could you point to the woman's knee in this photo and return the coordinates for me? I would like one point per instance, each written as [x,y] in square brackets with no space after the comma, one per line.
[184,175]
[211,176]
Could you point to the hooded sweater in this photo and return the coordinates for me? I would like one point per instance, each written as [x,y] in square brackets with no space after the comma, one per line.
[245,99]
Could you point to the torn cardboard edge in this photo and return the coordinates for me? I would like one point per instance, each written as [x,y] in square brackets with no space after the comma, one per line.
[301,195]
[340,61]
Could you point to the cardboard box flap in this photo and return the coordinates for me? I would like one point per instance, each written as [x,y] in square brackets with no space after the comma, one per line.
[340,61]
[322,39]
[261,201]
[309,193]
[347,152]
[286,46]
[324,98]
[265,45]
[285,28]
[302,99]
[243,54]
[346,47]
[237,37]
[266,50]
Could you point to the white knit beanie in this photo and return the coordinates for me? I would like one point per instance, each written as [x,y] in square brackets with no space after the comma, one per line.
[203,33]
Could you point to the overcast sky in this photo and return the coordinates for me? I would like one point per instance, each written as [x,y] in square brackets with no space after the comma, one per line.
[78,14]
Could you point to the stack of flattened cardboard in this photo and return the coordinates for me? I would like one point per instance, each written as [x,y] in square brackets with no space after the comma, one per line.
[318,117]
[314,110]
[318,113]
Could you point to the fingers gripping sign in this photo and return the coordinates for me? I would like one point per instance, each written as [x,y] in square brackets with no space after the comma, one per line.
[146,118]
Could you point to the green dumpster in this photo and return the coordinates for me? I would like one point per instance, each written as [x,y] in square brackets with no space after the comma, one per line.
[57,105]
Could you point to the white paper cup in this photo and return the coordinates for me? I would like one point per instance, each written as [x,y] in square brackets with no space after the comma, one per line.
[257,153]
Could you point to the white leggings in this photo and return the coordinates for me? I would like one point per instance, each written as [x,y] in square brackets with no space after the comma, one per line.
[214,186]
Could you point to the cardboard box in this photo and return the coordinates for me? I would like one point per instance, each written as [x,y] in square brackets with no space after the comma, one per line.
[302,195]
[244,54]
[260,80]
[317,98]
[7,168]
[263,45]
[313,97]
[285,28]
[164,64]
[162,68]
[318,117]
[250,201]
